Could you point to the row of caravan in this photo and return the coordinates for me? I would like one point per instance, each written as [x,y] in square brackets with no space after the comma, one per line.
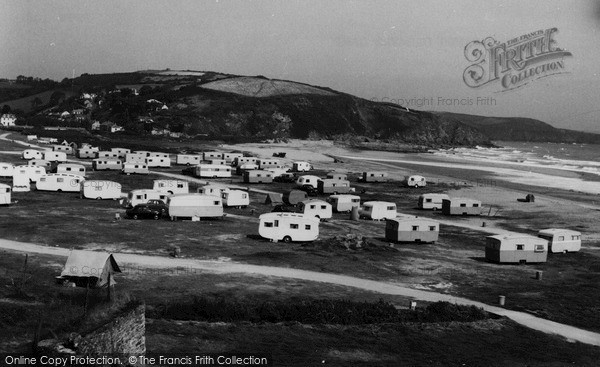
[50,156]
[301,227]
[450,206]
[36,168]
[519,248]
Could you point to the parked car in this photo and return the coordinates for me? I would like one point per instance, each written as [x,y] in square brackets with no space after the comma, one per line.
[284,208]
[285,177]
[155,209]
[309,189]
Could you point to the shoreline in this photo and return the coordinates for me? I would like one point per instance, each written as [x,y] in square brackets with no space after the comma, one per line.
[510,174]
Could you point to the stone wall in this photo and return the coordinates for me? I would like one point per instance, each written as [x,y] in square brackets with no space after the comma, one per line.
[126,334]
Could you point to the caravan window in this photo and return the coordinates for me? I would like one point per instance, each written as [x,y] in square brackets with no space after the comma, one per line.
[561,238]
[312,206]
[323,206]
[276,223]
[462,205]
[428,200]
[432,228]
[268,224]
[415,228]
[139,197]
[217,202]
[180,186]
[307,226]
[60,179]
[475,205]
[539,248]
[293,226]
[520,247]
[355,200]
[98,188]
[43,179]
[391,207]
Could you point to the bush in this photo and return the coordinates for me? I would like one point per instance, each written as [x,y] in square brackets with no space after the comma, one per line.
[313,311]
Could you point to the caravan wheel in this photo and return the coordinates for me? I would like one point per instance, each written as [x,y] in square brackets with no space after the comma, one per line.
[287,239]
[156,216]
[135,216]
[98,198]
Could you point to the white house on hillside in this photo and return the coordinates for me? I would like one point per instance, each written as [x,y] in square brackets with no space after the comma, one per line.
[8,119]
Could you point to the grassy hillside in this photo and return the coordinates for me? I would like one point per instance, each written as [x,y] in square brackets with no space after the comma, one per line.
[25,104]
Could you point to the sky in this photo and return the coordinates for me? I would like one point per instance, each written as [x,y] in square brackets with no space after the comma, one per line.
[407,52]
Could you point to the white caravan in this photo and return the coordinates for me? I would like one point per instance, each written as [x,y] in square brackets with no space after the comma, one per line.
[214,171]
[158,162]
[432,201]
[4,194]
[107,154]
[211,155]
[159,155]
[59,182]
[33,173]
[301,166]
[76,169]
[318,208]
[194,206]
[122,152]
[288,227]
[87,152]
[415,181]
[237,198]
[100,189]
[106,164]
[308,180]
[561,240]
[40,162]
[211,189]
[32,154]
[141,196]
[243,160]
[171,186]
[21,182]
[220,162]
[378,210]
[55,157]
[67,149]
[135,158]
[188,159]
[6,169]
[140,168]
[344,203]
[231,157]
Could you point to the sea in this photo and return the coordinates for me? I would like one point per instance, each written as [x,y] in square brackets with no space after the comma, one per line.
[584,158]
